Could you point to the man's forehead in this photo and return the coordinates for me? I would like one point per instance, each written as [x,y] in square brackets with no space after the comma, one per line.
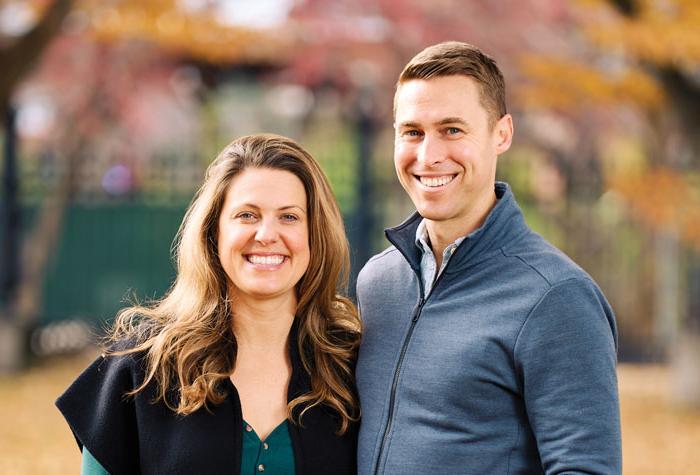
[437,100]
[458,80]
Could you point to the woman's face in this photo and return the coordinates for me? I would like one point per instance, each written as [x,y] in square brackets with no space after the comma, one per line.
[263,234]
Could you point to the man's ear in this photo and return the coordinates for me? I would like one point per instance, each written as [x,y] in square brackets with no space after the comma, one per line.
[503,131]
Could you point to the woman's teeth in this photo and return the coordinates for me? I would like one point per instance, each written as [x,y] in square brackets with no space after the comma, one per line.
[266,260]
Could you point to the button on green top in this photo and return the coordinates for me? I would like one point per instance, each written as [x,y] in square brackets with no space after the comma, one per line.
[273,456]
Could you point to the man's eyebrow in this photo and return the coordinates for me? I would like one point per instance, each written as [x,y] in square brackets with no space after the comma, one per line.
[445,121]
[408,124]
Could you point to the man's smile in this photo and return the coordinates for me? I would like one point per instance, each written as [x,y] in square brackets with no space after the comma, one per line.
[435,181]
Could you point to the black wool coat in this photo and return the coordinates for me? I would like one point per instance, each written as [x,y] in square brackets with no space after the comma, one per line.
[131,435]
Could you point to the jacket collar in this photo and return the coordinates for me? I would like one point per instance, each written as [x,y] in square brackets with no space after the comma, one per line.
[504,224]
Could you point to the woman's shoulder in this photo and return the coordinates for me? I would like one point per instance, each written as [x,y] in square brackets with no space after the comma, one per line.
[115,369]
[99,410]
[119,369]
[125,349]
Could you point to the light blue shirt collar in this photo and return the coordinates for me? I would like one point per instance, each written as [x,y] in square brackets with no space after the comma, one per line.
[428,263]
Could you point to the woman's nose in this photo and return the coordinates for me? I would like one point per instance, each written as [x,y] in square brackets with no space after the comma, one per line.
[266,232]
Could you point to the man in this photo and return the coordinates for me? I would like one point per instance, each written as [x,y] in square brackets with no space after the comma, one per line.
[485,350]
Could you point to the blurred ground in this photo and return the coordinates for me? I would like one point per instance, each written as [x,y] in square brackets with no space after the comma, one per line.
[657,439]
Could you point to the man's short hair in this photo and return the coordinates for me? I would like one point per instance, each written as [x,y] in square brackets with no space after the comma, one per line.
[456,58]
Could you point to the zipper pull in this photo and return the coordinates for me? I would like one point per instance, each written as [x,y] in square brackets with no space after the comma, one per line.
[416,314]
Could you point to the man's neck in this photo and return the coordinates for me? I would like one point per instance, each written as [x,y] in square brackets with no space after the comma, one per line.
[444,233]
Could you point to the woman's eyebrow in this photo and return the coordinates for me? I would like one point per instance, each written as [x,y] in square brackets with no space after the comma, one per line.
[285,208]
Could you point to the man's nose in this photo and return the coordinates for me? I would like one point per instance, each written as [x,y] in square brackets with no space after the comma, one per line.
[431,151]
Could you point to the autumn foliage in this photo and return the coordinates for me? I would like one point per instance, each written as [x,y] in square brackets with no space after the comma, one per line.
[641,56]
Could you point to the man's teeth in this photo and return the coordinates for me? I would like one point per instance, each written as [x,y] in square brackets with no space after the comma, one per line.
[436,181]
[266,260]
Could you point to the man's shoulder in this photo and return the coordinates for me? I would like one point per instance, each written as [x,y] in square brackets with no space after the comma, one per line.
[387,262]
[544,259]
[389,256]
[390,253]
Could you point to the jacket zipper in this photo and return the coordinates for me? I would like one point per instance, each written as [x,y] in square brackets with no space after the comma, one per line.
[397,372]
[395,381]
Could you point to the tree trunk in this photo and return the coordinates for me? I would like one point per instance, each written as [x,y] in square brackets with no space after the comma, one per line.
[18,58]
[667,314]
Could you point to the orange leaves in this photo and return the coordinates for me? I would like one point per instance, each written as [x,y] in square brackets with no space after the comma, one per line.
[662,198]
[661,33]
[197,33]
[659,38]
[627,50]
[568,85]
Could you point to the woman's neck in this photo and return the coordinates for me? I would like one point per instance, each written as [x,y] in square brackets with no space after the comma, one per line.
[262,324]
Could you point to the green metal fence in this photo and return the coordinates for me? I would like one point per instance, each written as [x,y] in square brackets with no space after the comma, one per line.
[107,253]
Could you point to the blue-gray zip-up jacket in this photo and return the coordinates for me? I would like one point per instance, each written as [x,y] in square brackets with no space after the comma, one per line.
[506,367]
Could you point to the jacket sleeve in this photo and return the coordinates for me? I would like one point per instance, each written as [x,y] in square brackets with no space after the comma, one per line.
[101,416]
[566,358]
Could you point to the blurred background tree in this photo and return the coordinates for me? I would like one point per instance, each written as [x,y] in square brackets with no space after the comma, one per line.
[19,54]
[96,101]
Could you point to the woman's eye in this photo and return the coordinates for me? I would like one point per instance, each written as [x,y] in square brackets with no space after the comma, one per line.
[289,217]
[246,216]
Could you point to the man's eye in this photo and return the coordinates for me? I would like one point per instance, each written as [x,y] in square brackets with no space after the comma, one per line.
[453,130]
[412,133]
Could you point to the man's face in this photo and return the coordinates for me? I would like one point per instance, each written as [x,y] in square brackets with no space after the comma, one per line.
[445,150]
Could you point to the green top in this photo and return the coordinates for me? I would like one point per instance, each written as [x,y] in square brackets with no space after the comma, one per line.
[90,465]
[273,456]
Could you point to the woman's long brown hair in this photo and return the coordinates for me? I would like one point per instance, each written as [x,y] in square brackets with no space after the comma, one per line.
[187,336]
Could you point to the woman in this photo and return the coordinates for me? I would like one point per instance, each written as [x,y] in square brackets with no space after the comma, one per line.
[245,366]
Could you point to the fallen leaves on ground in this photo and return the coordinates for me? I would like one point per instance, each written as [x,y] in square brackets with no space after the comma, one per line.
[657,437]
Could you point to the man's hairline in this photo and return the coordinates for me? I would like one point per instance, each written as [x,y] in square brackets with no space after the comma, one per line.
[493,120]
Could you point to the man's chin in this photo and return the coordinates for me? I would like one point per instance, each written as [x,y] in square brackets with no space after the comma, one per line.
[433,215]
